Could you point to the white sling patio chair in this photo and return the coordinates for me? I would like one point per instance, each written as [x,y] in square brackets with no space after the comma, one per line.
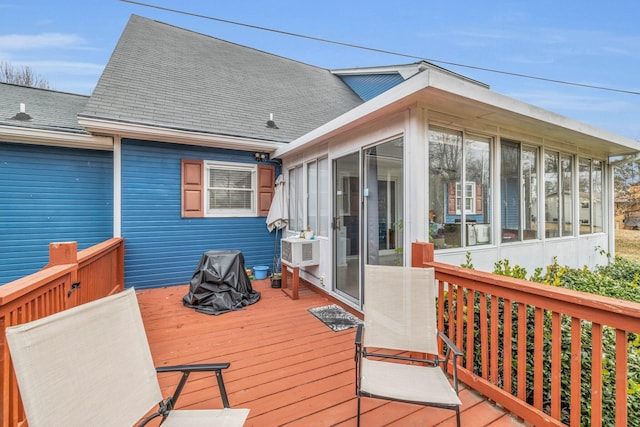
[91,366]
[400,314]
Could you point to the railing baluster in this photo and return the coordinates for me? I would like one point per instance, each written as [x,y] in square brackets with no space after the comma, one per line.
[484,336]
[621,378]
[493,346]
[538,352]
[556,364]
[596,374]
[522,351]
[451,312]
[459,317]
[507,344]
[576,372]
[470,327]
[440,309]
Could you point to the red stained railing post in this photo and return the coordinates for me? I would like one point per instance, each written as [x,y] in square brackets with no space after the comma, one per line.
[421,252]
[63,253]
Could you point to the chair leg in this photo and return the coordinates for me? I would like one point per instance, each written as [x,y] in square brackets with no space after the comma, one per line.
[458,416]
[358,420]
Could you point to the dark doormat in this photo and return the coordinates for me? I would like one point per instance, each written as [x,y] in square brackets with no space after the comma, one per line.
[335,317]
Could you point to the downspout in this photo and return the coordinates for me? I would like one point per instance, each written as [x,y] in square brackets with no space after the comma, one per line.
[117,186]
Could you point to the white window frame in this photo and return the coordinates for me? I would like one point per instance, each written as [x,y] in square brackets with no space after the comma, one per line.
[318,197]
[297,216]
[221,212]
[470,186]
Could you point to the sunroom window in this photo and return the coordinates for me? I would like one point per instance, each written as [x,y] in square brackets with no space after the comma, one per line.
[318,196]
[518,191]
[590,185]
[296,199]
[558,188]
[459,182]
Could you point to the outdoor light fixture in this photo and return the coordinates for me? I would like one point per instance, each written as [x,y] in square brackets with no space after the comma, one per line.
[261,157]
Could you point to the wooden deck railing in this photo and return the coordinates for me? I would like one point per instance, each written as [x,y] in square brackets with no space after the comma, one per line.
[70,278]
[524,343]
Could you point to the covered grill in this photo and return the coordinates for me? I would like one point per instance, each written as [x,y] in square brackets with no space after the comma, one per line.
[220,284]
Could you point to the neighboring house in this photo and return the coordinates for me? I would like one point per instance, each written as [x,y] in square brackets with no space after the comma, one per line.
[632,221]
[373,160]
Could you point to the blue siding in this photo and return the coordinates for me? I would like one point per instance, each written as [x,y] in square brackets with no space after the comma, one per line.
[162,248]
[369,86]
[51,194]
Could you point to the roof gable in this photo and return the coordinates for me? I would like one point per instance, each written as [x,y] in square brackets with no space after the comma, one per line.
[369,86]
[165,76]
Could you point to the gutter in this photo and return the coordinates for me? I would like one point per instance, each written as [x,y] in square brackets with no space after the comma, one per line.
[56,138]
[178,136]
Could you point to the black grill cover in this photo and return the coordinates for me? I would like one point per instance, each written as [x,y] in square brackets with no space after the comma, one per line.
[220,284]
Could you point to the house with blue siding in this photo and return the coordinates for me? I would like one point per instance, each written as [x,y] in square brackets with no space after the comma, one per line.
[178,147]
[56,179]
[175,102]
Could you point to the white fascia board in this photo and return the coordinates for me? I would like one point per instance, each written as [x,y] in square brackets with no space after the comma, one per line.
[362,112]
[405,70]
[412,90]
[511,105]
[177,136]
[55,138]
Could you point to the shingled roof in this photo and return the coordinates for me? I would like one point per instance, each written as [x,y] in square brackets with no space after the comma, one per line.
[168,77]
[43,109]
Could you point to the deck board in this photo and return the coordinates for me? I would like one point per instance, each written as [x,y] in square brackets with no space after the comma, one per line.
[287,367]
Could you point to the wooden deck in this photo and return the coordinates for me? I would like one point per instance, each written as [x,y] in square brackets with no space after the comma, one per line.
[287,367]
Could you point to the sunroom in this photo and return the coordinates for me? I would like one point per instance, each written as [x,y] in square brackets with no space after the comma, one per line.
[443,159]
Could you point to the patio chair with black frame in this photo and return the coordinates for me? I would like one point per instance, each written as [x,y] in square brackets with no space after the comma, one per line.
[91,366]
[397,355]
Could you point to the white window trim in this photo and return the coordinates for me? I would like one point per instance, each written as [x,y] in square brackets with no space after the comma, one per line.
[297,212]
[218,213]
[459,198]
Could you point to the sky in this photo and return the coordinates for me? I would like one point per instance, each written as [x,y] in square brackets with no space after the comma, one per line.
[585,42]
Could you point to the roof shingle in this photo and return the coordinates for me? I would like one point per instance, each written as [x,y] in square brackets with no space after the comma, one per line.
[50,110]
[165,76]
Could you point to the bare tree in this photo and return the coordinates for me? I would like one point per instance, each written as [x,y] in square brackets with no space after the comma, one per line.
[23,76]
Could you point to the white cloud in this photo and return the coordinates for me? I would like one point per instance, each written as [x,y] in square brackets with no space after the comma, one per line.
[21,42]
[556,100]
[62,67]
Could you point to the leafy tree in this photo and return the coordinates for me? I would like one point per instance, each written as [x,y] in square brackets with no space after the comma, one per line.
[626,177]
[24,76]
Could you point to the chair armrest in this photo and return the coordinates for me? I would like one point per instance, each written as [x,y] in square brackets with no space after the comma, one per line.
[358,355]
[359,335]
[454,349]
[202,367]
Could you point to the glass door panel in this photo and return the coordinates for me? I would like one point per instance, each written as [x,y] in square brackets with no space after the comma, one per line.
[383,169]
[346,225]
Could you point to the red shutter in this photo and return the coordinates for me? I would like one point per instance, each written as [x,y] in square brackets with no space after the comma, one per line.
[451,198]
[192,188]
[266,188]
[478,198]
